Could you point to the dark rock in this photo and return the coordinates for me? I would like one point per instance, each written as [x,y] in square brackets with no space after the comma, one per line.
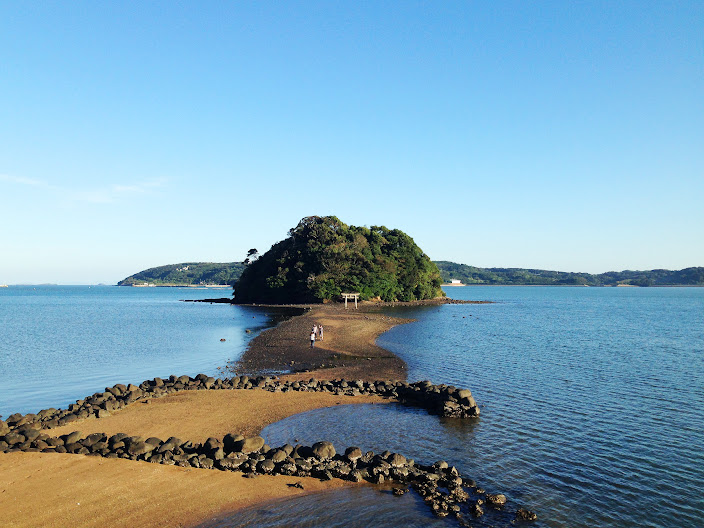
[171,444]
[232,462]
[396,460]
[439,465]
[249,445]
[14,438]
[212,443]
[356,476]
[495,501]
[206,463]
[14,419]
[73,447]
[353,453]
[55,441]
[69,418]
[525,515]
[277,455]
[230,442]
[323,450]
[93,439]
[266,466]
[71,438]
[140,448]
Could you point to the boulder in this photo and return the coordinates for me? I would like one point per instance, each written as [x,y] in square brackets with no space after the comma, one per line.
[356,476]
[323,450]
[117,438]
[231,463]
[495,500]
[93,439]
[353,453]
[278,455]
[525,515]
[266,466]
[230,442]
[72,438]
[396,460]
[249,445]
[30,433]
[476,510]
[212,444]
[171,444]
[14,438]
[13,419]
[140,448]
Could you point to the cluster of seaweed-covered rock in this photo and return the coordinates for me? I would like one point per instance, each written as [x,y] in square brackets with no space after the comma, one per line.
[440,485]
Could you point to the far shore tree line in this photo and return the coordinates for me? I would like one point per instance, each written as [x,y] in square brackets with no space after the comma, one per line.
[322,257]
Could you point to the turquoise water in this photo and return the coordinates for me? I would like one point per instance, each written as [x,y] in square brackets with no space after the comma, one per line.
[592,398]
[62,343]
[592,407]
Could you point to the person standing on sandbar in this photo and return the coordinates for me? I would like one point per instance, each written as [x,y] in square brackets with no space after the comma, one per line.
[312,339]
[320,331]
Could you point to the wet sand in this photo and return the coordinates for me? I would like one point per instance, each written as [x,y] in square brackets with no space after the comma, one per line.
[348,349]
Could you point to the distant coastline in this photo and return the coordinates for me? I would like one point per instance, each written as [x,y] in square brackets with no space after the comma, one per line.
[174,285]
[210,274]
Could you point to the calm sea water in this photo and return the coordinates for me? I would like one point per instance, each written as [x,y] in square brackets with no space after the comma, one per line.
[592,398]
[62,343]
[592,409]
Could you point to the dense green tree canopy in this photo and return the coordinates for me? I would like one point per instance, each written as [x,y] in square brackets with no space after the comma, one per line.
[323,257]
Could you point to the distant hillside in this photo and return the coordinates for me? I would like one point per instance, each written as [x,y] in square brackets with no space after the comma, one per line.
[517,276]
[229,273]
[187,273]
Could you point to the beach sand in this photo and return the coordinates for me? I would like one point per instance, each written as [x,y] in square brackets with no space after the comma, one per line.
[198,415]
[61,490]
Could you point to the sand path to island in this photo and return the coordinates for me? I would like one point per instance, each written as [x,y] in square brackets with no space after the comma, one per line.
[348,350]
[58,490]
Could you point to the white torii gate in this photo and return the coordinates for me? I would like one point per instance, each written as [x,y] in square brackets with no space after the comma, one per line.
[354,296]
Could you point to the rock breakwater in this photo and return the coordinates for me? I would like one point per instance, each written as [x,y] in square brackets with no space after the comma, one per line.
[444,400]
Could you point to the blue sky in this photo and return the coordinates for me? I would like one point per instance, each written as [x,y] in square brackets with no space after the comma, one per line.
[555,135]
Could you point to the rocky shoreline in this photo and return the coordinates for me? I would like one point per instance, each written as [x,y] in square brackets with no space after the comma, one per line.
[442,487]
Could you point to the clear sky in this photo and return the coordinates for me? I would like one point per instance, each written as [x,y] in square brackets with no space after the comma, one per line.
[556,135]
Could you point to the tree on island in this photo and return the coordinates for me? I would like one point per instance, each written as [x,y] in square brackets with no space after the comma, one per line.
[323,257]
